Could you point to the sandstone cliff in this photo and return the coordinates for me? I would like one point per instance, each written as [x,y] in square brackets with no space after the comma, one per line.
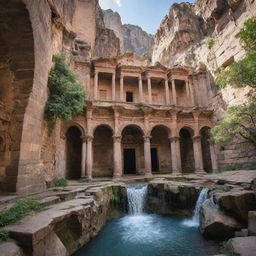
[132,38]
[88,24]
[203,36]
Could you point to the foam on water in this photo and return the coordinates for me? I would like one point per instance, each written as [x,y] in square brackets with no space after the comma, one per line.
[195,221]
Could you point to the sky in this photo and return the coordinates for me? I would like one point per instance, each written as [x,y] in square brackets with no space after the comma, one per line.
[147,14]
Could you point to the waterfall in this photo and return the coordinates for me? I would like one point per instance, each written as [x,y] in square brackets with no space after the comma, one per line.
[195,221]
[136,195]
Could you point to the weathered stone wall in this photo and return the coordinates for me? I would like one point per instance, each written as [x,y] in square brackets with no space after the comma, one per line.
[182,39]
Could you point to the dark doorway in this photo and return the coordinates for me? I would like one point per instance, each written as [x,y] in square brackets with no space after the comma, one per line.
[129,161]
[206,153]
[129,97]
[187,150]
[74,151]
[154,160]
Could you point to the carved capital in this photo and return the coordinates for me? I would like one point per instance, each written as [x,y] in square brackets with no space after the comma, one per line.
[89,138]
[117,138]
[174,139]
[196,138]
[147,138]
[84,138]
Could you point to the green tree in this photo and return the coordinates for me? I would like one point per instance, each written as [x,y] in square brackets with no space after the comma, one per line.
[66,96]
[240,120]
[242,73]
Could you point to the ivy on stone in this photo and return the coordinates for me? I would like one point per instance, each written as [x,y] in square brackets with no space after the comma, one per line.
[66,96]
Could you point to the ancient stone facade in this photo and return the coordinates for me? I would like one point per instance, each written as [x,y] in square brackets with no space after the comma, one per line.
[183,39]
[140,119]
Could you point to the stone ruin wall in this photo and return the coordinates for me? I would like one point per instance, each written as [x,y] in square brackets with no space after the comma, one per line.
[182,39]
[28,158]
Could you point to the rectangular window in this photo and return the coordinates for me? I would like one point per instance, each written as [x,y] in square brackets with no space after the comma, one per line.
[129,97]
[103,94]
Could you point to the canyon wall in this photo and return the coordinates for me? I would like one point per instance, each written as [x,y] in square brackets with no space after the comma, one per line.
[203,36]
[132,38]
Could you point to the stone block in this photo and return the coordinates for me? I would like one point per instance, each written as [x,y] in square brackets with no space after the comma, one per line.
[252,223]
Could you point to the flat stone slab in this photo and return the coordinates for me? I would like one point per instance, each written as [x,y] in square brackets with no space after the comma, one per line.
[32,224]
[242,246]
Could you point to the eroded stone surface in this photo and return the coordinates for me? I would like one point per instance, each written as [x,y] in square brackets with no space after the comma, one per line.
[214,224]
[242,246]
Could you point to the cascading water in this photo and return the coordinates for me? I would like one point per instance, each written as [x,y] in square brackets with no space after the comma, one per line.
[143,234]
[136,195]
[194,222]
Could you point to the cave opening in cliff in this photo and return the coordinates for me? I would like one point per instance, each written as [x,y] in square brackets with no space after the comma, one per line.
[160,150]
[73,153]
[103,152]
[186,150]
[132,145]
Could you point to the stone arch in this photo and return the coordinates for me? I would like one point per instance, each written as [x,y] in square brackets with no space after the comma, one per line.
[137,126]
[103,151]
[186,149]
[133,149]
[17,63]
[160,149]
[69,124]
[105,125]
[206,151]
[73,153]
[164,127]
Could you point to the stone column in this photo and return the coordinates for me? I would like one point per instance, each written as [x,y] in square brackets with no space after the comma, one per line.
[149,91]
[167,92]
[175,150]
[141,89]
[113,86]
[198,156]
[117,156]
[174,99]
[122,88]
[83,158]
[192,93]
[213,157]
[95,89]
[188,93]
[147,156]
[89,158]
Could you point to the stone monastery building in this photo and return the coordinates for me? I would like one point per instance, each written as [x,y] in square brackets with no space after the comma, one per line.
[141,120]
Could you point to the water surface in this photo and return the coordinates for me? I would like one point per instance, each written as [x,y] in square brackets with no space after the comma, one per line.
[148,235]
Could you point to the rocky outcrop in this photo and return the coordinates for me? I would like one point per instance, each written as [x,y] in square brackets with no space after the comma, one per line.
[63,228]
[113,21]
[237,203]
[180,29]
[88,23]
[242,246]
[171,197]
[132,38]
[214,224]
